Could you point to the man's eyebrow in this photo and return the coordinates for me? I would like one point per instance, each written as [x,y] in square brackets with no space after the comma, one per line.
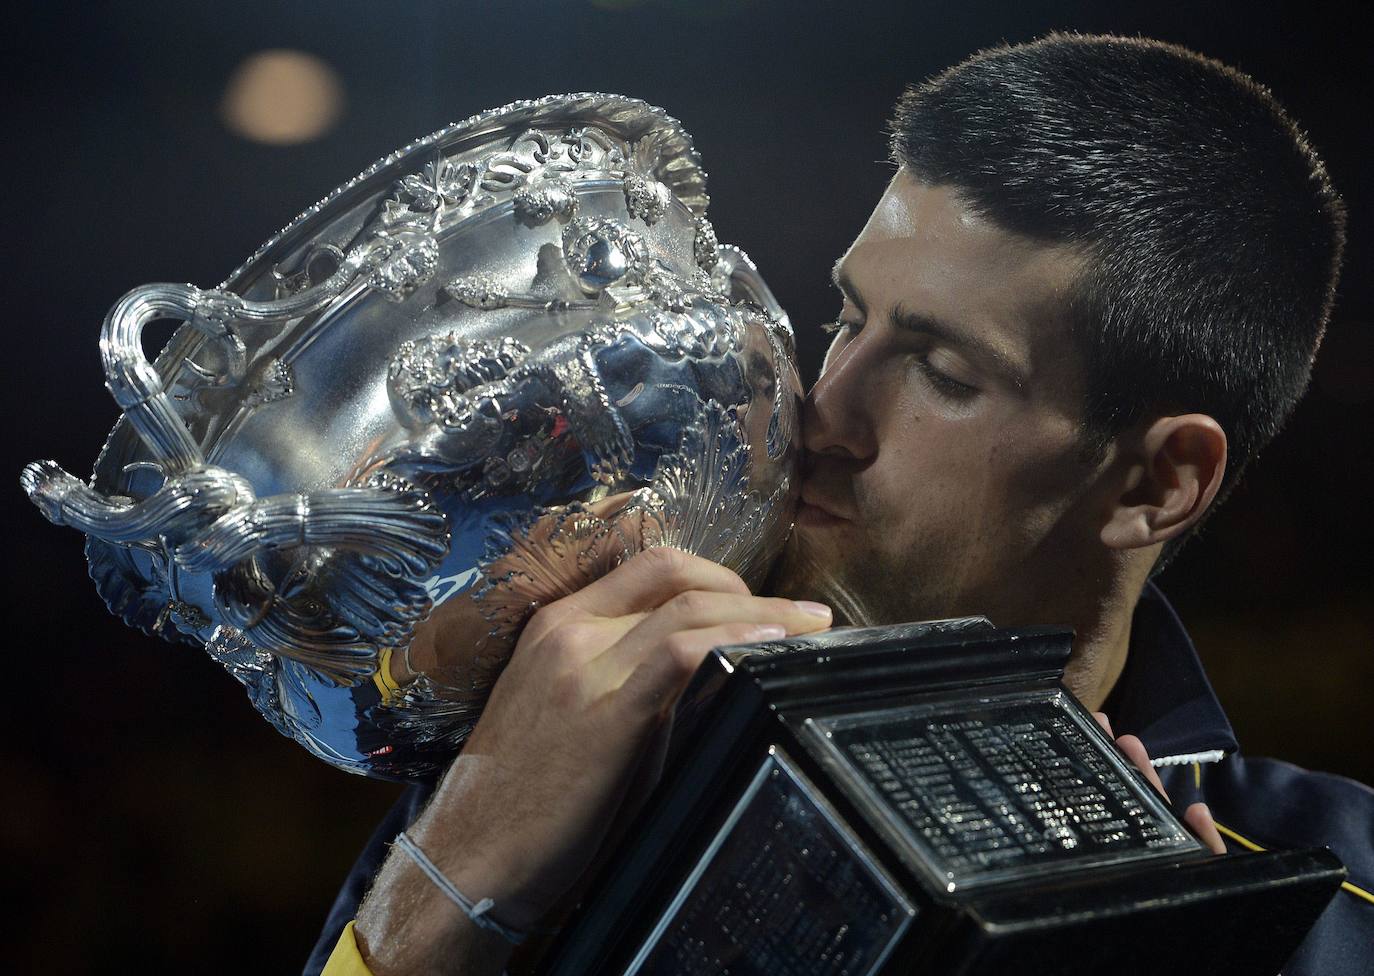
[845,284]
[908,321]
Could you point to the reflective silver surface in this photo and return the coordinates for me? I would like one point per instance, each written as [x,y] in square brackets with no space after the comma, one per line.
[471,380]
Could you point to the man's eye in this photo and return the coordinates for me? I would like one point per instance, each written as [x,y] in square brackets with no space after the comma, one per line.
[840,325]
[945,384]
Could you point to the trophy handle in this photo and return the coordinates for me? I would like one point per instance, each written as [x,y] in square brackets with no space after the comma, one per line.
[136,385]
[396,260]
[142,395]
[374,541]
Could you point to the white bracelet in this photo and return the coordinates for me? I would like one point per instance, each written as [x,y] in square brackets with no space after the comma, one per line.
[479,912]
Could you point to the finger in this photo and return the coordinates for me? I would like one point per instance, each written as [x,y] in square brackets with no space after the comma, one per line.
[1135,752]
[1106,723]
[649,579]
[694,609]
[698,609]
[1198,817]
[657,680]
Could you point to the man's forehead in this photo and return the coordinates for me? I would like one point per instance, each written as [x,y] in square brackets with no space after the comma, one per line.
[907,201]
[940,219]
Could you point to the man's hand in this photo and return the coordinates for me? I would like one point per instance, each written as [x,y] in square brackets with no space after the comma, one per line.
[1197,817]
[575,720]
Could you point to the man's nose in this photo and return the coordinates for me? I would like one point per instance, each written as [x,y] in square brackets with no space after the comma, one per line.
[837,416]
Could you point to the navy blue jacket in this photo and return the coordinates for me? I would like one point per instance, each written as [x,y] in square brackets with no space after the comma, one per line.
[1163,697]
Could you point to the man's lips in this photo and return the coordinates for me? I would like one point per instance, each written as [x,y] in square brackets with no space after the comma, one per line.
[816,510]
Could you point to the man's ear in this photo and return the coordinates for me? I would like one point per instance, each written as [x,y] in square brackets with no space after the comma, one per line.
[1173,468]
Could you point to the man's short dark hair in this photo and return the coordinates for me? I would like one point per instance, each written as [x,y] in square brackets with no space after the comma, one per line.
[1212,231]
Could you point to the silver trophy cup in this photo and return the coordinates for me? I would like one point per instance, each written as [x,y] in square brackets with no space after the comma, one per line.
[489,369]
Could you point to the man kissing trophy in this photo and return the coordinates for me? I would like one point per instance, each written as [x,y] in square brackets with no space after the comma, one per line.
[476,379]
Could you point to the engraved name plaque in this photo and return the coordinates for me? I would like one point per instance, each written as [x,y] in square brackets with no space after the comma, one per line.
[926,798]
[785,889]
[977,792]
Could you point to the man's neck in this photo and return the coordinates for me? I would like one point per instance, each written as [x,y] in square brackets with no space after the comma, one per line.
[1103,640]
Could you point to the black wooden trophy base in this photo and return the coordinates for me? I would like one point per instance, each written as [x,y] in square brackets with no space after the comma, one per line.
[924,798]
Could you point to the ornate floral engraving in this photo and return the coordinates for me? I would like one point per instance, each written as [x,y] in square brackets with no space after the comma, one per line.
[533,558]
[479,291]
[646,198]
[591,148]
[237,653]
[595,420]
[538,155]
[660,135]
[400,263]
[486,292]
[443,182]
[699,500]
[428,377]
[652,150]
[700,331]
[539,202]
[186,617]
[464,399]
[601,252]
[275,382]
[668,290]
[706,248]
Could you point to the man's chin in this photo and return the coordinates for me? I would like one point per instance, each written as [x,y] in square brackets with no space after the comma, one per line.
[809,570]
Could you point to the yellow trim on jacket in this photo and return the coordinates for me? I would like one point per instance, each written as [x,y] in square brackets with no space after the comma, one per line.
[346,960]
[1250,845]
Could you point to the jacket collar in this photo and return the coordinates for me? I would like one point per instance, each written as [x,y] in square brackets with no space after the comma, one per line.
[1163,695]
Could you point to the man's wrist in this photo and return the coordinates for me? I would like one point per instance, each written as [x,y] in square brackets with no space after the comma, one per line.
[468,833]
[479,911]
[407,926]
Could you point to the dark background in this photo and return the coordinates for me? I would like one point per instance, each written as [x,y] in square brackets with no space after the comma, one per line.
[152,817]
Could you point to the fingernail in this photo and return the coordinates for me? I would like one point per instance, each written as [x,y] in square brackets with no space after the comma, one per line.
[814,609]
[767,632]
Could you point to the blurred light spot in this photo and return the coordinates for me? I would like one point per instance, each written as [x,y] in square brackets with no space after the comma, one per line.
[282,97]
